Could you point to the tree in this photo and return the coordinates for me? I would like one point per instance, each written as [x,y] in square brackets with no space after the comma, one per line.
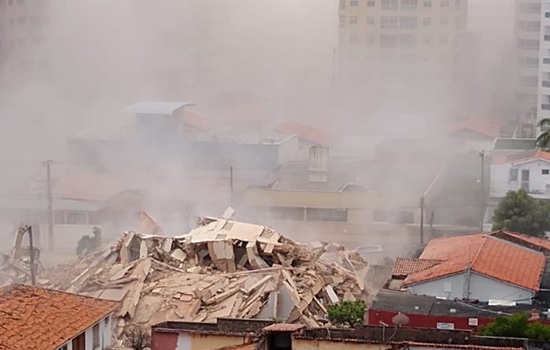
[350,312]
[517,326]
[543,140]
[519,212]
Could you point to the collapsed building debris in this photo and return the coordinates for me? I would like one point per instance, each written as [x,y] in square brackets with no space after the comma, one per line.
[19,265]
[222,268]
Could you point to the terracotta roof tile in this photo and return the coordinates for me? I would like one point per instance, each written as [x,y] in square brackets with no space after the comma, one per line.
[34,318]
[406,266]
[522,239]
[487,255]
[484,126]
[523,157]
[197,120]
[305,132]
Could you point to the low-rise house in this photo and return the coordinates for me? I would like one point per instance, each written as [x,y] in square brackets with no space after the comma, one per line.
[475,133]
[430,312]
[480,267]
[263,335]
[307,135]
[529,170]
[34,318]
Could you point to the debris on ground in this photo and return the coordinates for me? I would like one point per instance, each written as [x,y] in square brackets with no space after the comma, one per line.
[15,267]
[222,268]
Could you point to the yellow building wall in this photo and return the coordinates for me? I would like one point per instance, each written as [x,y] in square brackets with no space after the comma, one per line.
[209,342]
[306,344]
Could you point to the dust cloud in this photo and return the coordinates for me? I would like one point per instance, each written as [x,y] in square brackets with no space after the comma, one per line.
[92,58]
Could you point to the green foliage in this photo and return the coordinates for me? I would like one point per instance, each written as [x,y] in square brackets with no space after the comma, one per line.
[519,212]
[543,140]
[507,326]
[516,326]
[350,312]
[538,331]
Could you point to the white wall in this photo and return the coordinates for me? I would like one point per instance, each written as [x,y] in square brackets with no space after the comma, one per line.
[481,288]
[104,336]
[537,182]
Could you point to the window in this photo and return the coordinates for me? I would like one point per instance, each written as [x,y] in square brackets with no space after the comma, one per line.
[389,22]
[64,347]
[409,4]
[95,337]
[513,175]
[407,23]
[426,21]
[407,40]
[79,343]
[318,214]
[443,41]
[444,3]
[354,2]
[389,4]
[388,40]
[353,20]
[286,213]
[342,21]
[545,171]
[371,3]
[371,21]
[76,218]
[427,3]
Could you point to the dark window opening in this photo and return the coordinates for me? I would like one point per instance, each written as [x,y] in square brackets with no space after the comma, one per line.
[317,214]
[279,341]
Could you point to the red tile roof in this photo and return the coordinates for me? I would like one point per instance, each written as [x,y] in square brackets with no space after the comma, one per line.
[487,255]
[197,120]
[532,242]
[484,126]
[523,157]
[406,266]
[283,327]
[34,318]
[305,132]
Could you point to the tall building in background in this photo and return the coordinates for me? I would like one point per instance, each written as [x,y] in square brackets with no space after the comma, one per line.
[527,35]
[20,21]
[400,44]
[543,105]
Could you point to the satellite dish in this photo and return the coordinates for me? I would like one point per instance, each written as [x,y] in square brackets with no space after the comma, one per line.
[400,319]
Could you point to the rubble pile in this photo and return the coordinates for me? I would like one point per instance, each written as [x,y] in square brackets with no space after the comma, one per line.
[222,268]
[15,267]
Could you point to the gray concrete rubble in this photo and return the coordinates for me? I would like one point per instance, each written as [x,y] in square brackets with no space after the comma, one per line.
[222,268]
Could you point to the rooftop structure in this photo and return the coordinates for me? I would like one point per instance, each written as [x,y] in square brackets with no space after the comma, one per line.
[40,319]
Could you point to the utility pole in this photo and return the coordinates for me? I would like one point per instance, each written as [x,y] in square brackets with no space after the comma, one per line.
[33,266]
[51,242]
[422,220]
[482,182]
[231,178]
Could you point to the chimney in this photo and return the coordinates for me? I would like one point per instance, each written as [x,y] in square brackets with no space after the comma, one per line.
[318,164]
